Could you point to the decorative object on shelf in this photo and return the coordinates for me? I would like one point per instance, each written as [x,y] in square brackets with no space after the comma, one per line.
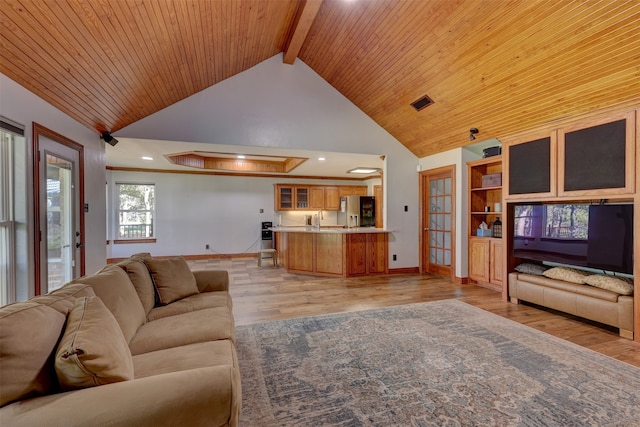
[487,208]
[497,207]
[483,230]
[492,180]
[496,228]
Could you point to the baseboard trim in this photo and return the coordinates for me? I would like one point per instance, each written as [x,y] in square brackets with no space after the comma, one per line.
[461,280]
[406,270]
[194,257]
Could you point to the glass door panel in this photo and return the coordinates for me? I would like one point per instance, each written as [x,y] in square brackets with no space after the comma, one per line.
[59,223]
[438,214]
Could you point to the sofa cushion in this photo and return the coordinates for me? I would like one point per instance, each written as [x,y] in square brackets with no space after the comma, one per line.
[116,291]
[93,350]
[191,356]
[619,285]
[197,326]
[62,299]
[29,333]
[212,280]
[566,274]
[141,279]
[172,278]
[191,303]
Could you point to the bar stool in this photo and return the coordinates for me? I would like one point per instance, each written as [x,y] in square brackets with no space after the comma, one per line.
[272,252]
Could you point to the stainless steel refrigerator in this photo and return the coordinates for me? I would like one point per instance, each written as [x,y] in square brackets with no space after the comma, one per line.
[357,211]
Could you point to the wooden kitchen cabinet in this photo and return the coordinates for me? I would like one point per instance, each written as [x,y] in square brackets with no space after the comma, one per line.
[316,198]
[337,253]
[313,197]
[331,198]
[367,254]
[352,190]
[302,198]
[284,198]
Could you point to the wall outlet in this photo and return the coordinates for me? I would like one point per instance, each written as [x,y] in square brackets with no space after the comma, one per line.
[206,246]
[261,210]
[395,257]
[406,208]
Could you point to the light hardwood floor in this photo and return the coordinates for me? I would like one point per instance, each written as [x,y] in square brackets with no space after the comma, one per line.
[270,293]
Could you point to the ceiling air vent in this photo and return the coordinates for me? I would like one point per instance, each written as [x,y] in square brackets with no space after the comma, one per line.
[421,103]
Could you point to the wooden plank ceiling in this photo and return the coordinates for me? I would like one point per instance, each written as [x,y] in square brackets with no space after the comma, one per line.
[498,65]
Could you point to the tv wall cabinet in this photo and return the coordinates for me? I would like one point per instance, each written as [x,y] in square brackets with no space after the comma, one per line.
[590,158]
[594,158]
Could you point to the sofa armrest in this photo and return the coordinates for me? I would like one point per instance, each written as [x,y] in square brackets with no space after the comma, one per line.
[208,396]
[212,280]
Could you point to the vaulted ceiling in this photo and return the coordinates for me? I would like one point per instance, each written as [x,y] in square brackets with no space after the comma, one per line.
[498,65]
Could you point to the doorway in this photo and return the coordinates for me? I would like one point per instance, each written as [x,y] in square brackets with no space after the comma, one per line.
[59,209]
[437,237]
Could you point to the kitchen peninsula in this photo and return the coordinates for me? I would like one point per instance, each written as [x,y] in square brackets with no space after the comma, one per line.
[331,251]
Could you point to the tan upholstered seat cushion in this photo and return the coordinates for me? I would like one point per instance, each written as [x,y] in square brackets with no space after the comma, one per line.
[172,278]
[619,285]
[195,302]
[29,333]
[141,279]
[116,291]
[209,324]
[93,350]
[567,274]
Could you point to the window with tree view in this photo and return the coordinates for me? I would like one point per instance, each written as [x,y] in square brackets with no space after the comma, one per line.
[136,210]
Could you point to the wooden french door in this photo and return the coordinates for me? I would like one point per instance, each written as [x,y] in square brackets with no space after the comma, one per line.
[437,194]
[59,209]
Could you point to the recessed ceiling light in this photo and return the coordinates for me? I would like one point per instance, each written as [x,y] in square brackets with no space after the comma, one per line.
[147,158]
[321,159]
[363,170]
[241,156]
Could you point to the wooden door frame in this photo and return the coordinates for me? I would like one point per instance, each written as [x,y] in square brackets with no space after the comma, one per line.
[424,176]
[38,131]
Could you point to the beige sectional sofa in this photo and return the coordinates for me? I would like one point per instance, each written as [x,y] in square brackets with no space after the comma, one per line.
[145,342]
[601,305]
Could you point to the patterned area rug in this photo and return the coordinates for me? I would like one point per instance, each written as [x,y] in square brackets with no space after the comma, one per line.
[442,363]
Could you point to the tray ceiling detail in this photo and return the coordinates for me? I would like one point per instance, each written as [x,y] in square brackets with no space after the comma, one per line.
[233,163]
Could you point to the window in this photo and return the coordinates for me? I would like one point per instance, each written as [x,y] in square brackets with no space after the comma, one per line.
[136,204]
[13,214]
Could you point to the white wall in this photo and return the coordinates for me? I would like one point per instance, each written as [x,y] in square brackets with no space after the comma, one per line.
[458,157]
[22,106]
[195,210]
[290,106]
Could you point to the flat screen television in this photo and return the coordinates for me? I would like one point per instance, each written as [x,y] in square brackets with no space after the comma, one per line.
[595,236]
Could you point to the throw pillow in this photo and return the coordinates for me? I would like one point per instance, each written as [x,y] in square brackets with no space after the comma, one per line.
[113,286]
[566,274]
[619,285]
[29,334]
[93,350]
[172,278]
[529,268]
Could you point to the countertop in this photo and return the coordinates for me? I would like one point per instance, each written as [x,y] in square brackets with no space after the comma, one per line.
[329,229]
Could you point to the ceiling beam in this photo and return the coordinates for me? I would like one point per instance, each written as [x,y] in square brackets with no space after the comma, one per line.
[301,28]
